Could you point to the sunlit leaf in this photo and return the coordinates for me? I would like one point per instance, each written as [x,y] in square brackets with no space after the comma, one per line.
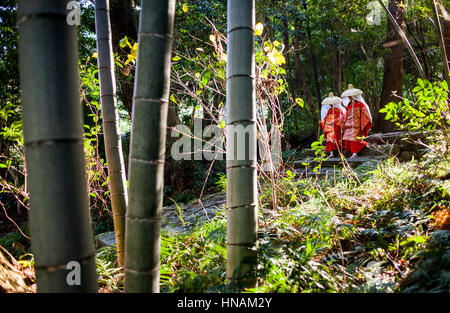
[259,28]
[300,102]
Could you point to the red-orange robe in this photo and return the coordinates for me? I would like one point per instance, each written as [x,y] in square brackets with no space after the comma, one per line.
[357,124]
[332,128]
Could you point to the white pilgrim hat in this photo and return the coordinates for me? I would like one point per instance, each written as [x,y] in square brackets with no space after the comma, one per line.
[351,92]
[332,99]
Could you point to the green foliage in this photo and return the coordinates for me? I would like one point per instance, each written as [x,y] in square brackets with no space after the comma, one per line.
[319,152]
[194,262]
[96,167]
[429,110]
[333,235]
[110,277]
[222,182]
[15,242]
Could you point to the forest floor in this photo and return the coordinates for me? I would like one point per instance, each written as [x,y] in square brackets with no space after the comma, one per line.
[380,226]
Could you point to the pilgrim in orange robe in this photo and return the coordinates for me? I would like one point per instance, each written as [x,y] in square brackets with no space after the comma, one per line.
[357,124]
[332,128]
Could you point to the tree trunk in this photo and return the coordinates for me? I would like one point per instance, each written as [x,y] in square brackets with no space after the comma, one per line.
[242,194]
[52,118]
[113,142]
[313,61]
[446,22]
[287,48]
[447,38]
[315,70]
[418,36]
[301,78]
[393,65]
[336,67]
[148,143]
[399,28]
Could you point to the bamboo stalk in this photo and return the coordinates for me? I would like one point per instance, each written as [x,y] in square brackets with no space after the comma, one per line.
[405,40]
[242,195]
[52,119]
[148,143]
[113,142]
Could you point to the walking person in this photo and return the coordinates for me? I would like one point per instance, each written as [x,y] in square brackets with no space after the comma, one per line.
[358,120]
[331,122]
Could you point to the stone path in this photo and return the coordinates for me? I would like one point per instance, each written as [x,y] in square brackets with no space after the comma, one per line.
[181,218]
[403,145]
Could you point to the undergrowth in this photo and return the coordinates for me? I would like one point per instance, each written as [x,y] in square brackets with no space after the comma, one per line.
[388,231]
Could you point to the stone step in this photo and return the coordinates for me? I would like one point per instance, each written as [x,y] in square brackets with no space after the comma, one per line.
[181,218]
[397,137]
[335,162]
[370,150]
[375,150]
[324,171]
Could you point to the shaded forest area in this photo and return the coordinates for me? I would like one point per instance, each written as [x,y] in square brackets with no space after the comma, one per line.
[380,223]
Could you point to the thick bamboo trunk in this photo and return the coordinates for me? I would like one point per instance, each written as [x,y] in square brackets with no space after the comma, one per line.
[148,143]
[242,194]
[113,142]
[393,65]
[52,119]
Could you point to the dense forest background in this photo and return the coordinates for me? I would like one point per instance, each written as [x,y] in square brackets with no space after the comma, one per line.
[304,51]
[307,49]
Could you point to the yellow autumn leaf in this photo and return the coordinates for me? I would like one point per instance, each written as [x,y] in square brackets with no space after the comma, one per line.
[279,58]
[212,38]
[94,55]
[276,58]
[185,8]
[259,29]
[300,102]
[134,49]
[199,49]
[223,57]
[271,57]
[276,43]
